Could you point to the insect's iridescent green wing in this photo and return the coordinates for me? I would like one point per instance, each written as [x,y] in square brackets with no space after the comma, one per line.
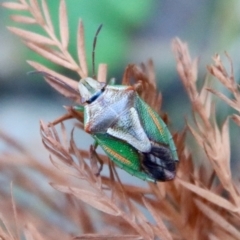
[122,154]
[154,126]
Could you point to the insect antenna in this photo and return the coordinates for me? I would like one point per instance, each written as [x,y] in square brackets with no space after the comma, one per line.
[93,52]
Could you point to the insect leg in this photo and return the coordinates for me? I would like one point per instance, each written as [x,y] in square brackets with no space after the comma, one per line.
[94,158]
[61,119]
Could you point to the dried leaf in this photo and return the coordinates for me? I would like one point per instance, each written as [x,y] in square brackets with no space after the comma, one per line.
[63,168]
[187,68]
[30,233]
[23,19]
[36,11]
[59,86]
[108,237]
[63,20]
[7,227]
[85,169]
[221,234]
[47,16]
[236,119]
[159,189]
[230,102]
[210,196]
[140,223]
[14,6]
[102,73]
[81,50]
[226,144]
[15,212]
[212,237]
[32,37]
[197,136]
[219,71]
[218,219]
[23,2]
[50,56]
[53,145]
[206,98]
[54,133]
[96,201]
[164,233]
[151,73]
[64,135]
[216,130]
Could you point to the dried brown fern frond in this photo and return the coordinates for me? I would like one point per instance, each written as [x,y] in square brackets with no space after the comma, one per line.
[219,71]
[25,217]
[193,206]
[49,46]
[214,142]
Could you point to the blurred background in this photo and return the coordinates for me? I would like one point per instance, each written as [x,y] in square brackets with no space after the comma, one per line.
[133,32]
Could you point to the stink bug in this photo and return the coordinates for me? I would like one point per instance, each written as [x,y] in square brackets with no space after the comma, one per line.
[130,132]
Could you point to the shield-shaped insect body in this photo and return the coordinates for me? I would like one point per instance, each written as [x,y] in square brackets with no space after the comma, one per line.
[130,132]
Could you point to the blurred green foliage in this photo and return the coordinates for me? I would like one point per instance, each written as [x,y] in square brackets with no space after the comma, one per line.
[119,18]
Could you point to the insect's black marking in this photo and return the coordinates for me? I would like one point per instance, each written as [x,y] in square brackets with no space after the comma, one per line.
[159,163]
[95,96]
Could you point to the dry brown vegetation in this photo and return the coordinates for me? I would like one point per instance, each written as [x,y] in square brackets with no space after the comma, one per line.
[202,202]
